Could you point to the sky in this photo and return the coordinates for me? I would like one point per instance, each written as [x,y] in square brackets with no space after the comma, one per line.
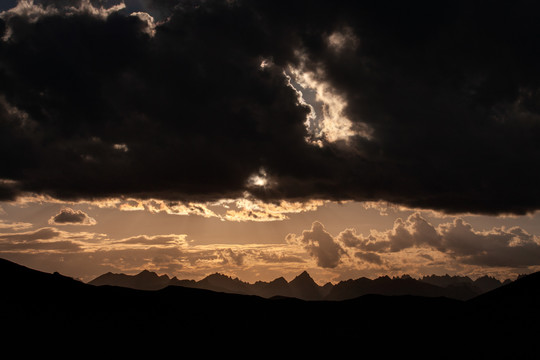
[262,138]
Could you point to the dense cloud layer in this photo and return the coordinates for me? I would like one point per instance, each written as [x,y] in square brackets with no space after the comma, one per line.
[442,99]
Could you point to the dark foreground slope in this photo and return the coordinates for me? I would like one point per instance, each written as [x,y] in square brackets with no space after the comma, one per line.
[60,313]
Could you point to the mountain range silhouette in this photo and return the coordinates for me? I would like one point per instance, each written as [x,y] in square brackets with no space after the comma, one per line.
[51,314]
[304,287]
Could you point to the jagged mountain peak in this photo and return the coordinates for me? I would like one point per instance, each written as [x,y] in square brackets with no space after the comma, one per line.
[304,287]
[279,280]
[219,276]
[150,274]
[147,273]
[304,276]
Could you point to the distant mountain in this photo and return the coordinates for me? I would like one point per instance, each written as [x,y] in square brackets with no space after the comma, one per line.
[386,286]
[304,287]
[277,287]
[447,280]
[145,280]
[478,286]
[325,289]
[487,283]
[54,314]
[223,283]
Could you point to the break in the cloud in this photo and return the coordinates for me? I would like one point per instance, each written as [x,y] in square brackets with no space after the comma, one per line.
[239,210]
[425,104]
[247,209]
[68,216]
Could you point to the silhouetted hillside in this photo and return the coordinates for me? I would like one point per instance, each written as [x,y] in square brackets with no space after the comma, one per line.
[519,299]
[54,314]
[508,315]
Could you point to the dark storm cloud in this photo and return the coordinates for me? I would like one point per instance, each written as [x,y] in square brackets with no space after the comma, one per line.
[192,106]
[99,104]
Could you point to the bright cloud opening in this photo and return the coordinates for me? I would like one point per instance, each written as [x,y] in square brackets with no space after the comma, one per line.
[332,123]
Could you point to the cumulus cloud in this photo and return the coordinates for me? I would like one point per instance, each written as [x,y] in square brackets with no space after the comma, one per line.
[498,247]
[68,216]
[320,245]
[512,247]
[425,104]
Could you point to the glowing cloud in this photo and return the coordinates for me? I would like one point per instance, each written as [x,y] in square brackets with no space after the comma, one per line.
[343,40]
[334,125]
[256,210]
